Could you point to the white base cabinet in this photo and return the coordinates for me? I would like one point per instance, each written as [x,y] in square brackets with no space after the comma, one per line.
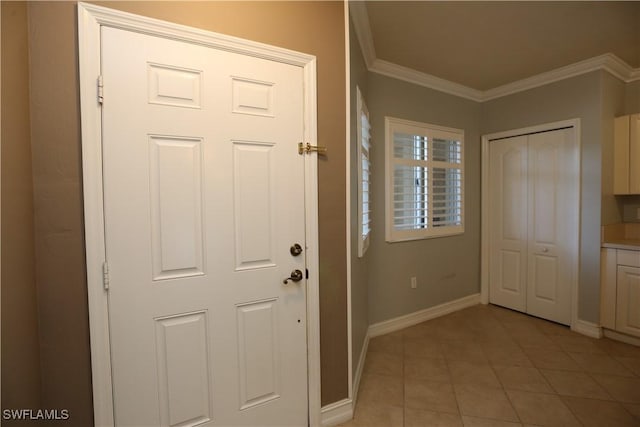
[620,291]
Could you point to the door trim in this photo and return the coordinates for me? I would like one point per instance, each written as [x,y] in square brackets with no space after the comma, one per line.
[577,184]
[90,19]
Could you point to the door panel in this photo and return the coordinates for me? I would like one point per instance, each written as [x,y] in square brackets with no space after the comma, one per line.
[549,280]
[508,225]
[204,195]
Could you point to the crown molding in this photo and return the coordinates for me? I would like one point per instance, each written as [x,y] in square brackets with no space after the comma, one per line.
[607,62]
[360,18]
[410,75]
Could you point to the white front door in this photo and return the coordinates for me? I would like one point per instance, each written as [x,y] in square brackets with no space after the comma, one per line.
[203,198]
[531,234]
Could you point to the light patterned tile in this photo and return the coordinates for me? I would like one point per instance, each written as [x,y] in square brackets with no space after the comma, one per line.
[383,364]
[598,413]
[426,369]
[484,402]
[423,347]
[617,348]
[380,389]
[574,344]
[600,364]
[390,344]
[477,373]
[551,359]
[578,384]
[462,350]
[485,422]
[422,418]
[542,409]
[522,378]
[378,416]
[506,354]
[633,409]
[430,396]
[631,363]
[622,389]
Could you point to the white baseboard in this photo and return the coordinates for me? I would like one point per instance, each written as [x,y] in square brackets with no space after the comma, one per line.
[628,339]
[411,319]
[360,369]
[336,413]
[587,328]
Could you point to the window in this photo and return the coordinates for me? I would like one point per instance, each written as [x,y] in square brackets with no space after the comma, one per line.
[364,174]
[425,180]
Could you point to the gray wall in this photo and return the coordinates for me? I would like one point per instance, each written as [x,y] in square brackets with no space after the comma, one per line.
[359,266]
[578,97]
[446,268]
[632,98]
[613,105]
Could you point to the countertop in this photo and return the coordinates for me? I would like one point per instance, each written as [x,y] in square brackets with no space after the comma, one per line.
[628,244]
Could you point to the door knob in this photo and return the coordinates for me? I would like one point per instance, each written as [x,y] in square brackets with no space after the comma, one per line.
[296,249]
[296,276]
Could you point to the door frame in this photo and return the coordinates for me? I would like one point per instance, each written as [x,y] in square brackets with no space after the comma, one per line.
[575,185]
[90,19]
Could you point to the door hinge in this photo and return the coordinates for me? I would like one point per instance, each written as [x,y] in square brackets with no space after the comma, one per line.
[105,275]
[100,90]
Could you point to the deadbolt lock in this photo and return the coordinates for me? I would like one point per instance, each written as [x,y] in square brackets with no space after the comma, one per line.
[296,249]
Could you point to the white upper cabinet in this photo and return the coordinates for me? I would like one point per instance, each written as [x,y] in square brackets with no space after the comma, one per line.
[626,179]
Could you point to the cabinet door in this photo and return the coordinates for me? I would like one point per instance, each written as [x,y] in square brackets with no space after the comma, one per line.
[628,304]
[621,156]
[634,154]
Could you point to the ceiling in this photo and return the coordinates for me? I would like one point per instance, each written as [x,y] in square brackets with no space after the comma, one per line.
[483,45]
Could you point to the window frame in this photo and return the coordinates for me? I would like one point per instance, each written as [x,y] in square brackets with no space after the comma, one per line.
[363,238]
[394,125]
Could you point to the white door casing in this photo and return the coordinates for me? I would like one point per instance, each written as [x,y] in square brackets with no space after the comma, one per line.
[531,195]
[187,191]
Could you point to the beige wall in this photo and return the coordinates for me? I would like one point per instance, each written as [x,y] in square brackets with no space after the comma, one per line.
[446,268]
[20,352]
[578,97]
[312,27]
[59,243]
[359,266]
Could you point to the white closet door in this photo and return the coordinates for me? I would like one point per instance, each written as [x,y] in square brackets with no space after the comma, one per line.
[549,272]
[508,230]
[533,195]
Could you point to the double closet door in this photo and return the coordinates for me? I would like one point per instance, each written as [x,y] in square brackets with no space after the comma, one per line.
[533,216]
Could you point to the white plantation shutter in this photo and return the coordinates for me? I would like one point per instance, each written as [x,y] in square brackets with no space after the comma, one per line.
[425,185]
[364,174]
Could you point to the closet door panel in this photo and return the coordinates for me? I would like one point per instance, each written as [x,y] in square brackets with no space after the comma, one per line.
[508,223]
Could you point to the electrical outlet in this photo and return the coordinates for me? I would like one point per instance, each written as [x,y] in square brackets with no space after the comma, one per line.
[414,283]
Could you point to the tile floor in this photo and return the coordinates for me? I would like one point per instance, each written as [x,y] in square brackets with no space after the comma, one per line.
[489,366]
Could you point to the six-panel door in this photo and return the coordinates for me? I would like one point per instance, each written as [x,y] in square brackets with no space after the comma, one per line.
[204,195]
